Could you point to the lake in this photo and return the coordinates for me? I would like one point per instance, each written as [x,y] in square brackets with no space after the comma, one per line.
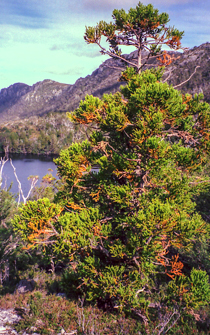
[26,165]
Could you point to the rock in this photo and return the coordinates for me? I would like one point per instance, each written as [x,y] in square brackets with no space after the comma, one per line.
[25,285]
[62,295]
[33,329]
[8,316]
[39,323]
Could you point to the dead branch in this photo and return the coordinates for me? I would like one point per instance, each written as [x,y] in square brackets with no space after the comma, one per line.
[188,78]
[113,55]
[33,183]
[106,219]
[170,73]
[139,291]
[2,163]
[143,317]
[166,321]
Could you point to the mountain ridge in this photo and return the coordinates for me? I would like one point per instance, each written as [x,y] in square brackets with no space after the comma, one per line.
[20,100]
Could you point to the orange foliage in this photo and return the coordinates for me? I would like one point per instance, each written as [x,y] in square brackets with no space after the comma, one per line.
[175,40]
[147,24]
[172,267]
[186,99]
[176,267]
[124,174]
[84,163]
[95,196]
[153,154]
[166,59]
[74,206]
[126,123]
[96,230]
[41,229]
[85,118]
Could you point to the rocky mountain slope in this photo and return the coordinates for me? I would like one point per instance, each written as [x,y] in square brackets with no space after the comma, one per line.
[20,101]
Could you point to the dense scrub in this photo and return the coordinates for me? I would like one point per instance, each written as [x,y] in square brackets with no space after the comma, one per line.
[135,236]
[132,240]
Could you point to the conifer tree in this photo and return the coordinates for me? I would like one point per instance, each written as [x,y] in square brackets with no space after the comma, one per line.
[142,28]
[125,230]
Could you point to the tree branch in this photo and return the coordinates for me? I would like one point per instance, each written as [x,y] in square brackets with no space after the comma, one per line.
[188,78]
[2,163]
[33,183]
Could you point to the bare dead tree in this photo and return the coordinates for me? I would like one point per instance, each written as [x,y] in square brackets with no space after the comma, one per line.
[2,163]
[33,183]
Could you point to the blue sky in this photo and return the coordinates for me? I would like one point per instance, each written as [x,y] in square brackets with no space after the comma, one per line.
[43,39]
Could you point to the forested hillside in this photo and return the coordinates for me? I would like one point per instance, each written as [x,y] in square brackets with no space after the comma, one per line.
[39,135]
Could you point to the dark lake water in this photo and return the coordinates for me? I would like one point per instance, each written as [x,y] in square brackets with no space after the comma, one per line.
[26,165]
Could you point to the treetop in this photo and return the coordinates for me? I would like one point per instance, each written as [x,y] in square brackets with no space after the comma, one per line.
[142,27]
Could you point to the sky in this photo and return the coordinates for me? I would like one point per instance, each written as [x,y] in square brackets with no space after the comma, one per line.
[44,39]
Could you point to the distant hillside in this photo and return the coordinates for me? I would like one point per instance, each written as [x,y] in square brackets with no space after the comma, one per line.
[20,101]
[183,67]
[44,135]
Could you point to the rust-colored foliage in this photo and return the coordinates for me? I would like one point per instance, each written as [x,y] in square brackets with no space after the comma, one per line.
[95,195]
[146,23]
[85,118]
[84,163]
[74,206]
[175,40]
[166,59]
[173,267]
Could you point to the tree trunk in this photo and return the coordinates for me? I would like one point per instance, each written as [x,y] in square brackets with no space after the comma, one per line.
[139,61]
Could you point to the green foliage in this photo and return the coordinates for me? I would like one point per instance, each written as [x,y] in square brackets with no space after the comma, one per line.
[36,219]
[143,28]
[126,229]
[192,291]
[7,239]
[14,261]
[7,206]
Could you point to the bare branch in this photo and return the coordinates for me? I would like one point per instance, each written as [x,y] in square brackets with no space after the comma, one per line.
[143,317]
[199,182]
[188,78]
[166,321]
[149,239]
[139,291]
[170,73]
[111,54]
[106,219]
[2,163]
[33,183]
